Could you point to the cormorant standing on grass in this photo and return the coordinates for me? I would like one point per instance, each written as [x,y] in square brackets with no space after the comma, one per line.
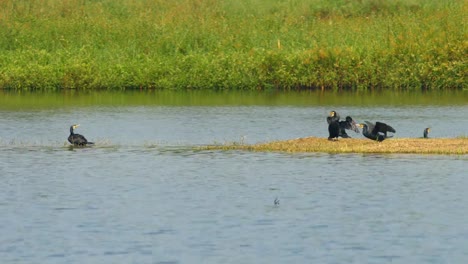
[334,116]
[426,132]
[333,125]
[333,130]
[382,128]
[377,131]
[347,124]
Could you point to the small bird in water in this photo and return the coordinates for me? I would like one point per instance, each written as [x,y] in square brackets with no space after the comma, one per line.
[276,201]
[426,132]
[77,139]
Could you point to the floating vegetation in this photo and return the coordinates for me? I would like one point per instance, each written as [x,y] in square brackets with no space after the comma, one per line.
[457,146]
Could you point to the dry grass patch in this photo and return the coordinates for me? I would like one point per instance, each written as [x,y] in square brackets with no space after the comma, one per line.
[398,145]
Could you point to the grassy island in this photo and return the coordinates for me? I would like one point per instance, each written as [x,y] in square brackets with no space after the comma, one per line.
[398,145]
[255,44]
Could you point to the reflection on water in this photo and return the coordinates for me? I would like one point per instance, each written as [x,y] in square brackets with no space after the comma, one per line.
[145,194]
[11,100]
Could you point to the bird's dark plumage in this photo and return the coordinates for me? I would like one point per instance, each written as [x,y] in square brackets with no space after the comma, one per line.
[333,120]
[334,116]
[380,127]
[347,124]
[77,139]
[339,129]
[426,132]
[377,131]
[367,132]
[333,130]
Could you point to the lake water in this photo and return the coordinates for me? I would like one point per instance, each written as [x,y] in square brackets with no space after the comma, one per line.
[145,194]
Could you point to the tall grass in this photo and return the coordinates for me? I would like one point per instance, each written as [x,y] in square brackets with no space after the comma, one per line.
[223,44]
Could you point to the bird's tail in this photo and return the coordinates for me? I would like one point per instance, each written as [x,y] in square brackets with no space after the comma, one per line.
[90,143]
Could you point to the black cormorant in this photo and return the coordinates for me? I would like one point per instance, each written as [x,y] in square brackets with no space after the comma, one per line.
[368,134]
[334,130]
[334,116]
[380,127]
[377,131]
[77,139]
[426,132]
[347,124]
[333,125]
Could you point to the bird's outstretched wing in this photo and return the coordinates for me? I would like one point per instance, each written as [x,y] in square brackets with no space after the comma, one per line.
[382,127]
[370,126]
[353,126]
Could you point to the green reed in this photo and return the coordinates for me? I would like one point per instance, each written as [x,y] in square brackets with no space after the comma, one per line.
[212,44]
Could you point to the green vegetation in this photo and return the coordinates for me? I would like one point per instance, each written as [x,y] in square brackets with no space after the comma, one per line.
[224,44]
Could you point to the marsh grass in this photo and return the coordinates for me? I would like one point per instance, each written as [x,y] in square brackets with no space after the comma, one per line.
[457,146]
[210,44]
